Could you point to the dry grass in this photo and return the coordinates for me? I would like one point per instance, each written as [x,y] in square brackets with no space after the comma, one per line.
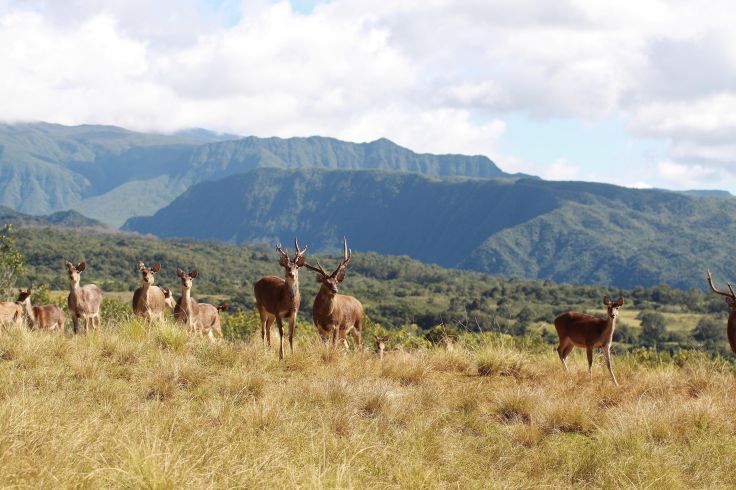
[135,406]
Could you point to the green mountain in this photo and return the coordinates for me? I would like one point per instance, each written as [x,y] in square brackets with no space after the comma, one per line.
[566,231]
[111,174]
[66,219]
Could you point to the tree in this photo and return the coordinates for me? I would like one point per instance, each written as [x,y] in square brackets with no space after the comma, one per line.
[710,329]
[11,261]
[653,327]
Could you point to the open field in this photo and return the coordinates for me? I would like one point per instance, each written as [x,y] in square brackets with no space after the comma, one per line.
[137,406]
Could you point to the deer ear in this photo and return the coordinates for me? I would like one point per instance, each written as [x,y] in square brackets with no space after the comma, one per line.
[300,261]
[156,267]
[620,301]
[194,274]
[283,261]
[319,277]
[69,265]
[141,266]
[340,276]
[606,300]
[81,266]
[179,272]
[30,290]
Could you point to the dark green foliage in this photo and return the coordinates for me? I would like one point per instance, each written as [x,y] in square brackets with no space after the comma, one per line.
[12,262]
[653,328]
[710,329]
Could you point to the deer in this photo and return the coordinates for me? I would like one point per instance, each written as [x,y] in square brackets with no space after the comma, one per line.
[169,300]
[201,318]
[46,317]
[278,298]
[381,341]
[83,302]
[580,330]
[731,301]
[334,314]
[148,300]
[10,313]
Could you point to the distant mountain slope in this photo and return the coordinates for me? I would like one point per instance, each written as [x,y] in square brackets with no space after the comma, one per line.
[111,174]
[66,219]
[566,231]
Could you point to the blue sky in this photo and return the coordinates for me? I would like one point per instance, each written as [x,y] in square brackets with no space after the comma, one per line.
[633,93]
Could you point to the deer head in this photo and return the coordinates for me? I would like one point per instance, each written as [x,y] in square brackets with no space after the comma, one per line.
[24,296]
[613,306]
[147,274]
[186,279]
[331,281]
[74,271]
[291,266]
[168,298]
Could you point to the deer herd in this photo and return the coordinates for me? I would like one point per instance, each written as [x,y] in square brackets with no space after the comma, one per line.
[277,299]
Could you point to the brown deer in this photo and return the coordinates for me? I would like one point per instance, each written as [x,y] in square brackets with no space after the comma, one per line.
[278,298]
[731,301]
[589,332]
[10,313]
[169,300]
[201,318]
[46,317]
[335,314]
[83,302]
[148,300]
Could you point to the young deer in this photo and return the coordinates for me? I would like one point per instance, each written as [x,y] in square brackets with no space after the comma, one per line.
[278,298]
[731,301]
[84,302]
[381,341]
[148,300]
[169,300]
[201,318]
[337,314]
[589,332]
[46,317]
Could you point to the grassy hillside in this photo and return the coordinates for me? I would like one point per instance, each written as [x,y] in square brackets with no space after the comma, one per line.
[111,174]
[152,408]
[564,231]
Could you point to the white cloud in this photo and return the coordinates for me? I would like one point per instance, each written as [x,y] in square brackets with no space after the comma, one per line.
[435,75]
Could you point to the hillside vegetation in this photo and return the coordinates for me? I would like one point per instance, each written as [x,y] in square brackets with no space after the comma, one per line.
[402,295]
[111,174]
[149,407]
[575,232]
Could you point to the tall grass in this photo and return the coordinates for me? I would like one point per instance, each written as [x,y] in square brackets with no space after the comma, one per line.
[149,406]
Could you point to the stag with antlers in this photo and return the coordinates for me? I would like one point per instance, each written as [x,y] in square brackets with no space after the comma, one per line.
[336,315]
[589,332]
[278,298]
[731,301]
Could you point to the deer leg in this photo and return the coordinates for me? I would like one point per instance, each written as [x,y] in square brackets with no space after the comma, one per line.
[357,339]
[607,355]
[589,351]
[334,335]
[280,324]
[563,350]
[292,324]
[75,324]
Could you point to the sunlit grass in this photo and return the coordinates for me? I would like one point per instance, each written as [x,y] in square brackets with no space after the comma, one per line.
[149,406]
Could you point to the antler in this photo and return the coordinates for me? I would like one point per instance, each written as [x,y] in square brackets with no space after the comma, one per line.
[347,255]
[318,269]
[299,252]
[283,253]
[731,295]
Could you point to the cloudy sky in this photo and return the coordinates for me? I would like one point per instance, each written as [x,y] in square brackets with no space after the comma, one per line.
[635,93]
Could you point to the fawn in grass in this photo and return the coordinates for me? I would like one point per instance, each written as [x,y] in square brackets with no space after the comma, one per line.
[201,318]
